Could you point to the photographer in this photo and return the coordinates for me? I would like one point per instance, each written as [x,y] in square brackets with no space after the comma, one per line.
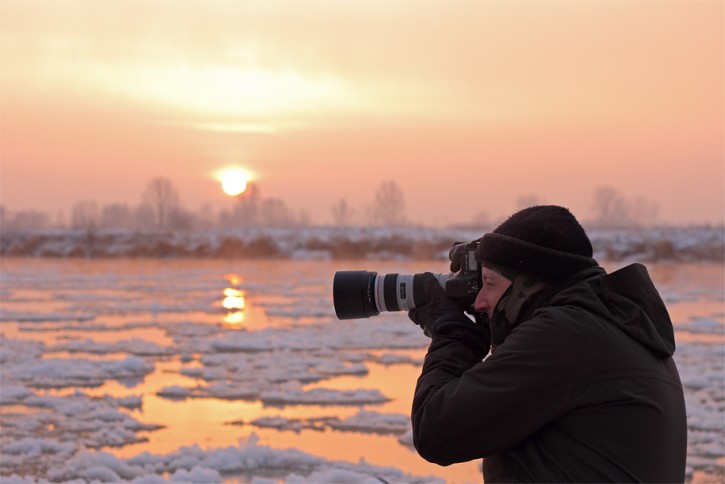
[580,385]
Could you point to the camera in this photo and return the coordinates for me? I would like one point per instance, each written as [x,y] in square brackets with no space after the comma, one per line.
[362,294]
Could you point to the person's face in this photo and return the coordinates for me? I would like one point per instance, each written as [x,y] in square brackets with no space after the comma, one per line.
[493,287]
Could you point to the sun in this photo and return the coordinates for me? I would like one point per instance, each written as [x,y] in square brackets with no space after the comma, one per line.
[234,181]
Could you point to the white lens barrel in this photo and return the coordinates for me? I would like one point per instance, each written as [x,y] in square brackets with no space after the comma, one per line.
[397,292]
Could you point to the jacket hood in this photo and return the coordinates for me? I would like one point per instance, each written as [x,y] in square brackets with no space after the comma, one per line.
[631,302]
[626,298]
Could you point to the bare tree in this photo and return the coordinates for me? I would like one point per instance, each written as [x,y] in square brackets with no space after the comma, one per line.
[163,199]
[342,213]
[246,211]
[180,219]
[143,217]
[253,210]
[611,210]
[117,216]
[84,215]
[23,220]
[608,206]
[389,204]
[275,213]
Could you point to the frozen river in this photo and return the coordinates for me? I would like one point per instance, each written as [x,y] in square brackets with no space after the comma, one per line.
[210,370]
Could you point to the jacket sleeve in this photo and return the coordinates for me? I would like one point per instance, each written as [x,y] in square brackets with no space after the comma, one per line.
[465,408]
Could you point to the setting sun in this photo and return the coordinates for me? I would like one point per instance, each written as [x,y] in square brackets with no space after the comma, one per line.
[234,181]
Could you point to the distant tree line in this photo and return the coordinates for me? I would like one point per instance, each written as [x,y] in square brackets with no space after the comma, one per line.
[386,210]
[161,209]
[252,210]
[613,211]
[610,210]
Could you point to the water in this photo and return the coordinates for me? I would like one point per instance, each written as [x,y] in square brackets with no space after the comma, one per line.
[212,360]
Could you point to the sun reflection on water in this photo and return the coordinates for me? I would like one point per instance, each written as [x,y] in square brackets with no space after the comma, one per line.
[234,302]
[233,299]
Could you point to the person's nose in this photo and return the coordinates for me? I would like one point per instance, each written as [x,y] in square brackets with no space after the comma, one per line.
[480,304]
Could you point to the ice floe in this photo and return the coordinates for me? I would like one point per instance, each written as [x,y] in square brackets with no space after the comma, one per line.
[59,425]
[257,462]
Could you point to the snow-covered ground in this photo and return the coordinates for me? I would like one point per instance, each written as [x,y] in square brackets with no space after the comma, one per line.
[678,244]
[148,371]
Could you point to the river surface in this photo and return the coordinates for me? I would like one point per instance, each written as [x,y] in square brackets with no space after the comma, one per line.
[213,353]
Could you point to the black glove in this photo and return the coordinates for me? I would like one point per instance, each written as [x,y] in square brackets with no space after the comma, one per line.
[440,313]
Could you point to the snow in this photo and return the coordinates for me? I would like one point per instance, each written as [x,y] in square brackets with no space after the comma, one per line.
[703,326]
[321,396]
[134,346]
[192,464]
[86,346]
[683,244]
[370,421]
[60,373]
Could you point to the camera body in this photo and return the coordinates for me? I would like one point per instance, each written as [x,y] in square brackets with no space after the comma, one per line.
[465,280]
[362,294]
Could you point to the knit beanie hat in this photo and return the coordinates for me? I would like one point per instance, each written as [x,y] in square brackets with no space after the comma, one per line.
[545,241]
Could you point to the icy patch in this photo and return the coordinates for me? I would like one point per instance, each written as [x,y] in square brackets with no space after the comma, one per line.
[702,326]
[297,311]
[85,327]
[287,424]
[351,335]
[17,352]
[21,317]
[701,368]
[57,427]
[368,421]
[290,394]
[189,329]
[248,460]
[321,396]
[395,359]
[13,393]
[276,366]
[61,373]
[364,421]
[134,346]
[221,390]
[22,363]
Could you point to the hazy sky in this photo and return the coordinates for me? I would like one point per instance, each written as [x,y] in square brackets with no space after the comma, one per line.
[468,106]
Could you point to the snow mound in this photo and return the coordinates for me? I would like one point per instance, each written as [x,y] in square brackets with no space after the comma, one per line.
[248,459]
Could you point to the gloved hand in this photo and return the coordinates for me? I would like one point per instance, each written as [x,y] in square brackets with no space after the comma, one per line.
[440,313]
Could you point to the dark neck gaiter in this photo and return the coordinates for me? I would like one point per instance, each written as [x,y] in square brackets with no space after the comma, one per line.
[516,303]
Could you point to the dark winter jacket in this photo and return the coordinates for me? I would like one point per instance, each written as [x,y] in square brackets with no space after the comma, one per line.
[584,389]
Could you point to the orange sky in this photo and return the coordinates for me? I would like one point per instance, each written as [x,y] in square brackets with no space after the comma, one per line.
[467,105]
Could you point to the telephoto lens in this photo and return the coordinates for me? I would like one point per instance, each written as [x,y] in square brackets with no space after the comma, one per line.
[362,294]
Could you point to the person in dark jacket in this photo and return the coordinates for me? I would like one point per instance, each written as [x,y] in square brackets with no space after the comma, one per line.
[580,384]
